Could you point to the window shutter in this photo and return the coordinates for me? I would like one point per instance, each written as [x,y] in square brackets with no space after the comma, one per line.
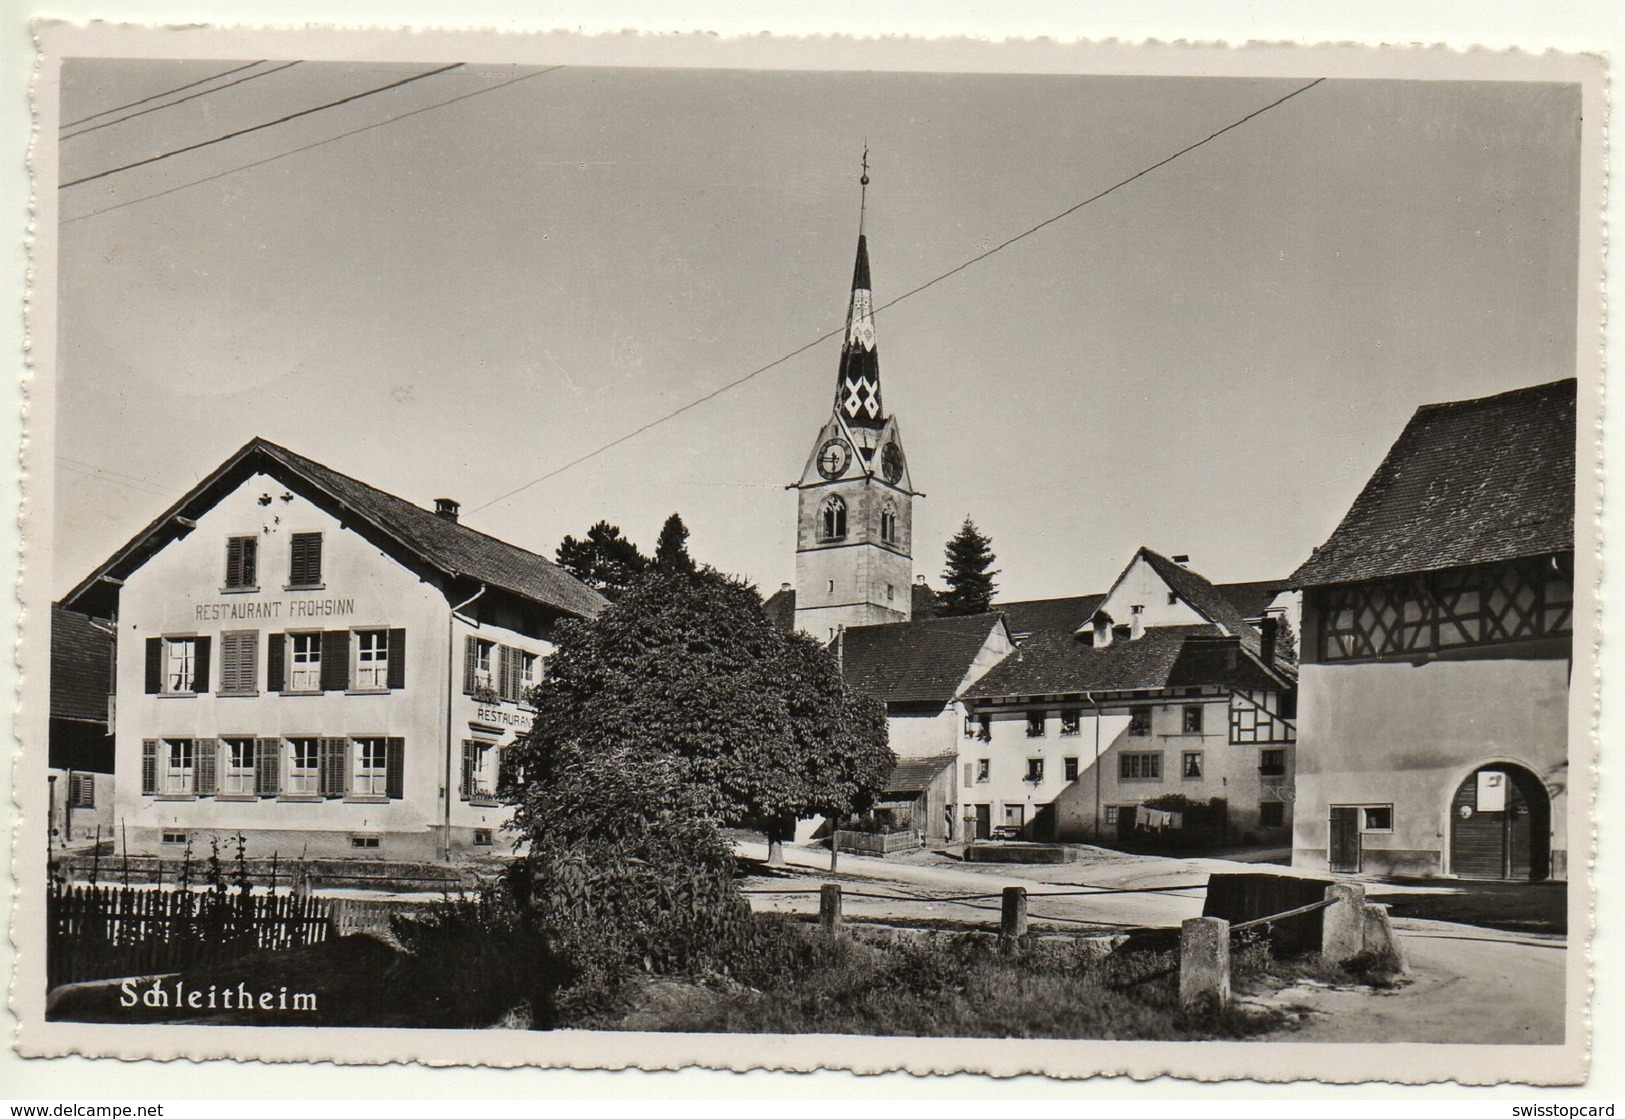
[155,665]
[208,753]
[509,688]
[239,667]
[251,549]
[267,766]
[305,561]
[276,660]
[471,660]
[83,788]
[970,774]
[471,761]
[335,660]
[149,767]
[334,773]
[234,562]
[200,665]
[397,658]
[394,769]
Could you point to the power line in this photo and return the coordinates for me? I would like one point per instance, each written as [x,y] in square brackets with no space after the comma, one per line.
[179,101]
[258,127]
[892,303]
[165,93]
[317,144]
[107,476]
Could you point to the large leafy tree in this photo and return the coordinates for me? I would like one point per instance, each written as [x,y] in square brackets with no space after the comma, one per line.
[970,583]
[685,683]
[606,561]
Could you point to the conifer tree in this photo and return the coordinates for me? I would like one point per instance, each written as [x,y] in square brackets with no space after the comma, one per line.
[606,561]
[671,550]
[970,582]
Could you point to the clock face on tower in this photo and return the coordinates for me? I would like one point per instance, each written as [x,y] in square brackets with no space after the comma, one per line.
[833,458]
[891,463]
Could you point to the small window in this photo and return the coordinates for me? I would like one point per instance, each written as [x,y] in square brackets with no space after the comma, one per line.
[888,523]
[371,660]
[371,759]
[1172,598]
[971,725]
[832,518]
[304,767]
[484,658]
[1193,719]
[1272,814]
[1139,767]
[1379,817]
[237,756]
[82,790]
[984,771]
[831,590]
[1139,721]
[175,838]
[529,676]
[1111,815]
[1272,763]
[1070,768]
[242,563]
[1035,770]
[891,593]
[1070,723]
[364,842]
[180,665]
[305,560]
[1015,815]
[1035,724]
[483,837]
[304,662]
[1190,766]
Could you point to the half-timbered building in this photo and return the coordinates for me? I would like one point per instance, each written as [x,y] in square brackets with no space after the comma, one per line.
[320,666]
[1437,650]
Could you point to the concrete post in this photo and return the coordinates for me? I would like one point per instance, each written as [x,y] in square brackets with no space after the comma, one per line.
[829,907]
[1380,941]
[1014,922]
[1342,927]
[1204,963]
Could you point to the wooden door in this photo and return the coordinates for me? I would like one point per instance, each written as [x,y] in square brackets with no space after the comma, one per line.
[984,821]
[1507,836]
[1343,854]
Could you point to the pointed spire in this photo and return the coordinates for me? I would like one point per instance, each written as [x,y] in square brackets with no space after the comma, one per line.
[857,389]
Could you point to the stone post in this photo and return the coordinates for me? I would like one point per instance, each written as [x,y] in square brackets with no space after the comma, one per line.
[1342,927]
[829,907]
[1380,942]
[1204,964]
[1013,924]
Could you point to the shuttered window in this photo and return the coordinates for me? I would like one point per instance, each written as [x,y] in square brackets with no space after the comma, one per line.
[242,563]
[371,659]
[82,790]
[371,767]
[304,767]
[177,665]
[304,662]
[305,560]
[237,766]
[397,658]
[179,767]
[149,767]
[478,670]
[479,770]
[335,660]
[395,771]
[240,662]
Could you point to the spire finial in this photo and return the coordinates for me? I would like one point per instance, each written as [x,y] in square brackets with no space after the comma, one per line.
[863,184]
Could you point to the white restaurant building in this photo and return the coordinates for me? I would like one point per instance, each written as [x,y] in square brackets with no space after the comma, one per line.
[319,666]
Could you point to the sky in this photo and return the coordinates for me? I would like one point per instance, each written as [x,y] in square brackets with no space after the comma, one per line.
[1210,360]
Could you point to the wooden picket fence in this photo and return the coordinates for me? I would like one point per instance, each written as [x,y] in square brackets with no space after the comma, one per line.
[101,932]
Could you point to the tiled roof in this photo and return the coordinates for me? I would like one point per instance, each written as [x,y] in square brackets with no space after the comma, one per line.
[1252,599]
[453,548]
[780,608]
[922,600]
[913,775]
[1467,482]
[1203,597]
[914,662]
[1049,615]
[1058,663]
[81,667]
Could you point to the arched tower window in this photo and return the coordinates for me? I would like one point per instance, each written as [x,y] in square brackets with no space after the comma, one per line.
[833,515]
[888,523]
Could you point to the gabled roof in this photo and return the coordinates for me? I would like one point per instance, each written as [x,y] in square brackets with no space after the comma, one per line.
[81,667]
[1252,599]
[914,662]
[1467,482]
[441,543]
[1059,664]
[1203,597]
[1047,615]
[914,775]
[780,609]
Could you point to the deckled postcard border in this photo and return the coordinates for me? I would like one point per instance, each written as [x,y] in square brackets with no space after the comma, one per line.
[1207,1061]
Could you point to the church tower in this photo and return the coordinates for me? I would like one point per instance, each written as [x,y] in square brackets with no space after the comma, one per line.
[854,519]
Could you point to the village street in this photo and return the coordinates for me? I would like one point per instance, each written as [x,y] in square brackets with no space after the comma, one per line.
[1462,981]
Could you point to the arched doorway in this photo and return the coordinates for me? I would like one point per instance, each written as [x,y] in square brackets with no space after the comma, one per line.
[1501,825]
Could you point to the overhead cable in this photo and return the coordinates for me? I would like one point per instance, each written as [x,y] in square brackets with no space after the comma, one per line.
[179,100]
[165,93]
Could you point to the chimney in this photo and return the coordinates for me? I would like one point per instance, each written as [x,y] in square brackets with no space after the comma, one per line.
[1267,636]
[786,587]
[1182,561]
[919,580]
[1103,631]
[447,508]
[1136,622]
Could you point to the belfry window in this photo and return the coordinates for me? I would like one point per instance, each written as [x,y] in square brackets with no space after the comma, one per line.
[888,523]
[832,516]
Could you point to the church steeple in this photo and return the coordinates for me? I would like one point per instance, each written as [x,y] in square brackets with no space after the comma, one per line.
[855,518]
